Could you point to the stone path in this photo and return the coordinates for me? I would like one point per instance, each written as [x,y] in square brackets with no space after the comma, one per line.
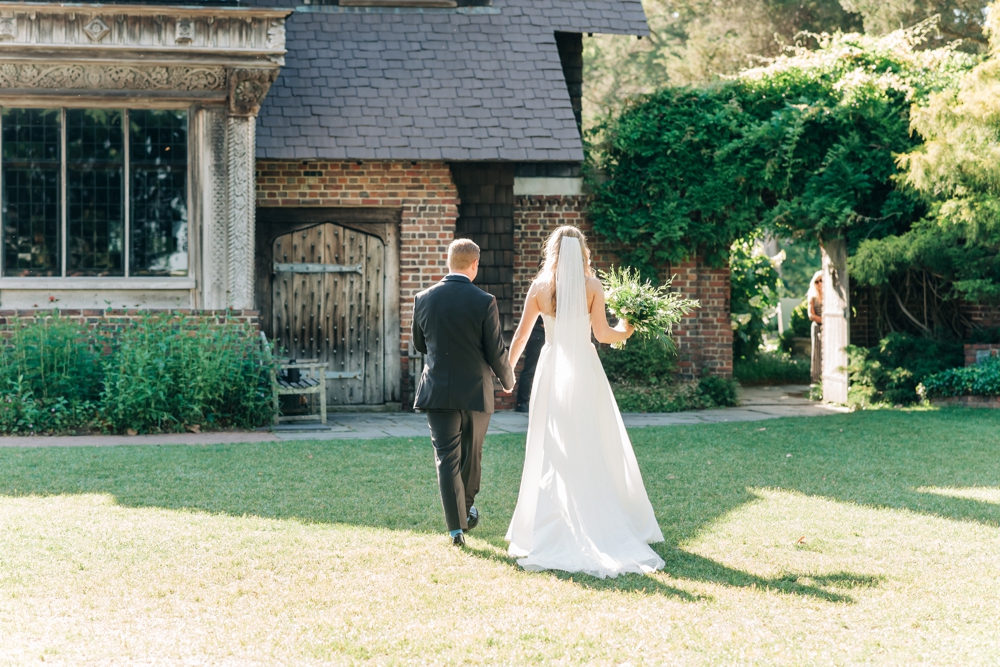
[756,403]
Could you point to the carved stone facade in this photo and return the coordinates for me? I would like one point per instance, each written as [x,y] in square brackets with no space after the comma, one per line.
[112,77]
[217,62]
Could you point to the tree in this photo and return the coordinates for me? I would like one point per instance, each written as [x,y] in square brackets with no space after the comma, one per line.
[953,253]
[805,146]
[698,41]
[695,41]
[963,20]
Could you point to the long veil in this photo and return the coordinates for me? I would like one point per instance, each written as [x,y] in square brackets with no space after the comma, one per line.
[572,332]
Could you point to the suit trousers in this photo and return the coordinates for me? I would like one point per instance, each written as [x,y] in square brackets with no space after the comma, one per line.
[458,436]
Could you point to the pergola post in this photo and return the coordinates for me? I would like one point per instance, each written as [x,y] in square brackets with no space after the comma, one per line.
[836,319]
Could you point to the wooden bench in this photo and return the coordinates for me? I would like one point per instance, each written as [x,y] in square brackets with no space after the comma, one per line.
[312,380]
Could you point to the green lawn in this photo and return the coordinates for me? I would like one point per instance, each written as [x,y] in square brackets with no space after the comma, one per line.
[865,538]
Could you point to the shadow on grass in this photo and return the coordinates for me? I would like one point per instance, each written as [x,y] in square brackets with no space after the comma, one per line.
[627,583]
[694,475]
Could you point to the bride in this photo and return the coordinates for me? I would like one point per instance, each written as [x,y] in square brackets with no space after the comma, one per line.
[582,506]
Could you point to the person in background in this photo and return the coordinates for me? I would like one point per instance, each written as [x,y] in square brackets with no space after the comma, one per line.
[815,299]
[524,381]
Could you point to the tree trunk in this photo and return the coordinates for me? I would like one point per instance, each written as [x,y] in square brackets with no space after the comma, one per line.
[836,320]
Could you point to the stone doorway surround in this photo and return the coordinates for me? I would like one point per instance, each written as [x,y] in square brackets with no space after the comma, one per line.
[217,62]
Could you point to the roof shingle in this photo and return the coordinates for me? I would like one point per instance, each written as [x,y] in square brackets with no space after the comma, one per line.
[431,85]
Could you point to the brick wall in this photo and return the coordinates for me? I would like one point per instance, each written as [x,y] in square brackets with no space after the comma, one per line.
[975,351]
[705,338]
[983,316]
[424,191]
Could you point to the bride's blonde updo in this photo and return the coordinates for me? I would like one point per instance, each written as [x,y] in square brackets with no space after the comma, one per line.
[550,265]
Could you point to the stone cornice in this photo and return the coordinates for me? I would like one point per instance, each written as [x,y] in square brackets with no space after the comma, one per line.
[160,34]
[87,51]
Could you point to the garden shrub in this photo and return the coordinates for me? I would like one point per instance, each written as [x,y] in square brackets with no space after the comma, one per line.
[890,372]
[754,287]
[771,368]
[641,376]
[162,373]
[980,380]
[708,392]
[646,360]
[989,336]
[799,326]
[720,391]
[50,375]
[166,373]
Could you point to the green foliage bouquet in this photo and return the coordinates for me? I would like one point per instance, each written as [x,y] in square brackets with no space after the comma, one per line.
[653,311]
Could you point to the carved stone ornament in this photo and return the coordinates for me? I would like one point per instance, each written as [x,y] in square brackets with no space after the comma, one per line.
[247,88]
[184,31]
[276,39]
[96,29]
[8,28]
[113,77]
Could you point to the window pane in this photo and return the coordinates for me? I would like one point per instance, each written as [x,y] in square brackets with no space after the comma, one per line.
[158,157]
[31,218]
[95,162]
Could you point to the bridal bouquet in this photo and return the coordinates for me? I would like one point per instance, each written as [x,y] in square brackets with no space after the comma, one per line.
[653,311]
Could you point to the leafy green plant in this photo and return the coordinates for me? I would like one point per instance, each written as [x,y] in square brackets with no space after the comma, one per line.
[720,391]
[653,311]
[708,392]
[50,375]
[162,373]
[771,368]
[806,146]
[754,285]
[890,372]
[168,372]
[799,326]
[980,380]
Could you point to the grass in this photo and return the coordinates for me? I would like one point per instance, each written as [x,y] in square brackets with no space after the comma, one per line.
[868,538]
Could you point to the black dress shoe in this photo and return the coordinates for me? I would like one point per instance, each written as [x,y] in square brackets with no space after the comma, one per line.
[458,540]
[473,519]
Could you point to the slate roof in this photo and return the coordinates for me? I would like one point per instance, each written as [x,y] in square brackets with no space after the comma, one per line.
[484,84]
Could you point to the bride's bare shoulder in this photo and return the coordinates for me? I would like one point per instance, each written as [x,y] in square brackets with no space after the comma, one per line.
[594,284]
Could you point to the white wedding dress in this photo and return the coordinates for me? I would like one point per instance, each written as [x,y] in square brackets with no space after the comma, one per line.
[582,506]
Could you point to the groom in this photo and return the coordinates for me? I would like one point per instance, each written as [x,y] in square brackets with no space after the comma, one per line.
[456,326]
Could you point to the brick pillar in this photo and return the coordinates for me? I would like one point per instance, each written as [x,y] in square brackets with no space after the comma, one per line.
[705,337]
[836,320]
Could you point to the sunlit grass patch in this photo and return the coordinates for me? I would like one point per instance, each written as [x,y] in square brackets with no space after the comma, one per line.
[857,539]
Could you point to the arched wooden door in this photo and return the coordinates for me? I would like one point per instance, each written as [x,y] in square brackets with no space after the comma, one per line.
[327,303]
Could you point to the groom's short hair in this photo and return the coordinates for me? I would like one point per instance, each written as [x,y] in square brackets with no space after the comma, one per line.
[461,254]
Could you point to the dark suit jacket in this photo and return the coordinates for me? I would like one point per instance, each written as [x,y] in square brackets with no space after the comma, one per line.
[457,327]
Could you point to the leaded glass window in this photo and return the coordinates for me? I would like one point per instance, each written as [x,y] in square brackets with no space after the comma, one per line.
[93,192]
[95,165]
[158,161]
[31,175]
